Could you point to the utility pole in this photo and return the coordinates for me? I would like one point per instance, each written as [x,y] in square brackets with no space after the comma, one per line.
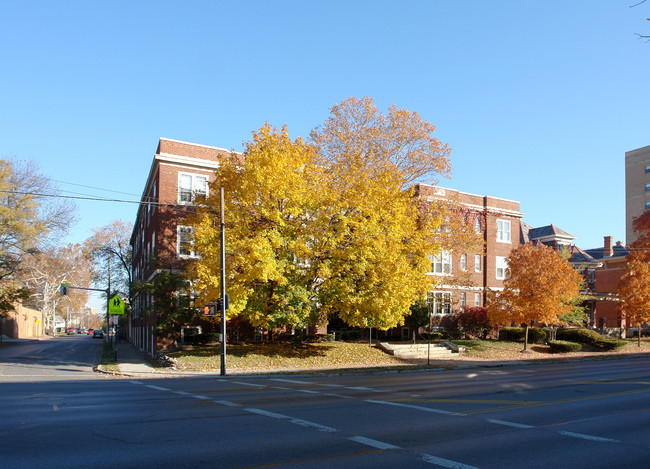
[223,286]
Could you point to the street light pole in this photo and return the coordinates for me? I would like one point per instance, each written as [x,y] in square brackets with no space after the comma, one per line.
[223,286]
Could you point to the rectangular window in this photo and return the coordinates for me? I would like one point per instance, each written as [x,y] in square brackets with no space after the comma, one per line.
[477,299]
[647,187]
[647,168]
[503,231]
[185,241]
[647,205]
[463,262]
[191,186]
[439,302]
[441,264]
[477,263]
[477,224]
[463,299]
[502,267]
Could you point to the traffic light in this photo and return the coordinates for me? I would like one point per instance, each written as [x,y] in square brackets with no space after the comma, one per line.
[65,289]
[209,310]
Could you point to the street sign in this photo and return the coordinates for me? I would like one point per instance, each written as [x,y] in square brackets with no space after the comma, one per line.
[64,289]
[116,305]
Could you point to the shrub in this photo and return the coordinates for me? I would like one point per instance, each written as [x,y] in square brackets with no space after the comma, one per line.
[609,345]
[563,346]
[473,320]
[585,336]
[536,335]
[326,337]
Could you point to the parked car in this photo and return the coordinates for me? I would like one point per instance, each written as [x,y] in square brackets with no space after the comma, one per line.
[98,334]
[90,331]
[70,331]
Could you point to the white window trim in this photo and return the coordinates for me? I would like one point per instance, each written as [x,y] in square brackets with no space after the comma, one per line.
[477,265]
[477,296]
[431,301]
[501,234]
[502,266]
[444,259]
[463,262]
[192,253]
[193,188]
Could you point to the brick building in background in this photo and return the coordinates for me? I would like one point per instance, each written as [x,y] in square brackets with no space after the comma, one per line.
[637,188]
[498,222]
[179,173]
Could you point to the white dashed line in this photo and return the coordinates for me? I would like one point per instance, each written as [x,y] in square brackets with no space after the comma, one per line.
[373,443]
[228,403]
[157,388]
[136,382]
[510,424]
[282,388]
[358,388]
[182,393]
[589,437]
[445,462]
[305,423]
[249,384]
[416,407]
[294,381]
[266,413]
[203,398]
[308,391]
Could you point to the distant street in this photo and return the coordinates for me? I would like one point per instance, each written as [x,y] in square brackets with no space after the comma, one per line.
[578,414]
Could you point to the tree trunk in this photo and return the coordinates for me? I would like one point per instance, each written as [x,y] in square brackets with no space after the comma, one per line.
[526,339]
[639,341]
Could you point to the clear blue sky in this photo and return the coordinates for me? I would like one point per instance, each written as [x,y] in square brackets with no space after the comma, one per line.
[538,100]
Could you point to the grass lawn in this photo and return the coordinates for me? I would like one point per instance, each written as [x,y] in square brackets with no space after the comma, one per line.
[245,357]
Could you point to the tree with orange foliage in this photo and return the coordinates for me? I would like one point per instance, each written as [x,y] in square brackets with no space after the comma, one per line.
[539,287]
[634,286]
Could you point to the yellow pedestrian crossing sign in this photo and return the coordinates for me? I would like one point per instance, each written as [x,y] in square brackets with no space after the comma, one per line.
[116,305]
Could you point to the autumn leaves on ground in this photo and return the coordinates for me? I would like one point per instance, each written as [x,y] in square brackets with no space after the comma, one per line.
[283,356]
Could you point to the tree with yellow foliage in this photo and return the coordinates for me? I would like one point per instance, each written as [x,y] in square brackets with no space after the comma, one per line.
[327,226]
[539,287]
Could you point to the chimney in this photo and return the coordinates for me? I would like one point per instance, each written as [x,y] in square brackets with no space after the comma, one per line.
[609,249]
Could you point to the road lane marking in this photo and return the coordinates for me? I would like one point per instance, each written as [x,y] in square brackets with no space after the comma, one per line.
[342,396]
[135,382]
[308,391]
[266,413]
[331,385]
[589,437]
[358,388]
[372,443]
[319,427]
[228,403]
[294,381]
[249,384]
[416,407]
[182,393]
[510,424]
[203,398]
[157,388]
[445,462]
[282,388]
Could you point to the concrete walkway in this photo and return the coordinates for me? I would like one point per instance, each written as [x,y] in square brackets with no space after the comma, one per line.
[134,362]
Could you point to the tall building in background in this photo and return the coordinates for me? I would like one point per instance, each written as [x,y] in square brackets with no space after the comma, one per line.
[637,187]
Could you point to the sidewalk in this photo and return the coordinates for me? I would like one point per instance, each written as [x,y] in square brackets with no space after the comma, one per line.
[134,362]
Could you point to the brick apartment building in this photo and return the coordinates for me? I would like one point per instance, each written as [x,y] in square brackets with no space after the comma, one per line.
[179,173]
[498,222]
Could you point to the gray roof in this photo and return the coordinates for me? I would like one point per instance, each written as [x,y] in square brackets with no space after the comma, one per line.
[598,253]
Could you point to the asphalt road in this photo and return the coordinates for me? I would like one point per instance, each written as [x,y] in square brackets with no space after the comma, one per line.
[581,414]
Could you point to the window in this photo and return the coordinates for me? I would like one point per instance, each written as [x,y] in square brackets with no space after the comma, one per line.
[647,168]
[477,224]
[477,299]
[477,263]
[503,231]
[463,299]
[185,241]
[502,267]
[647,205]
[647,187]
[463,262]
[190,186]
[441,264]
[439,302]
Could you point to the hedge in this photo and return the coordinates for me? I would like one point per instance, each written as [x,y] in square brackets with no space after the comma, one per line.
[563,346]
[586,336]
[609,345]
[536,335]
